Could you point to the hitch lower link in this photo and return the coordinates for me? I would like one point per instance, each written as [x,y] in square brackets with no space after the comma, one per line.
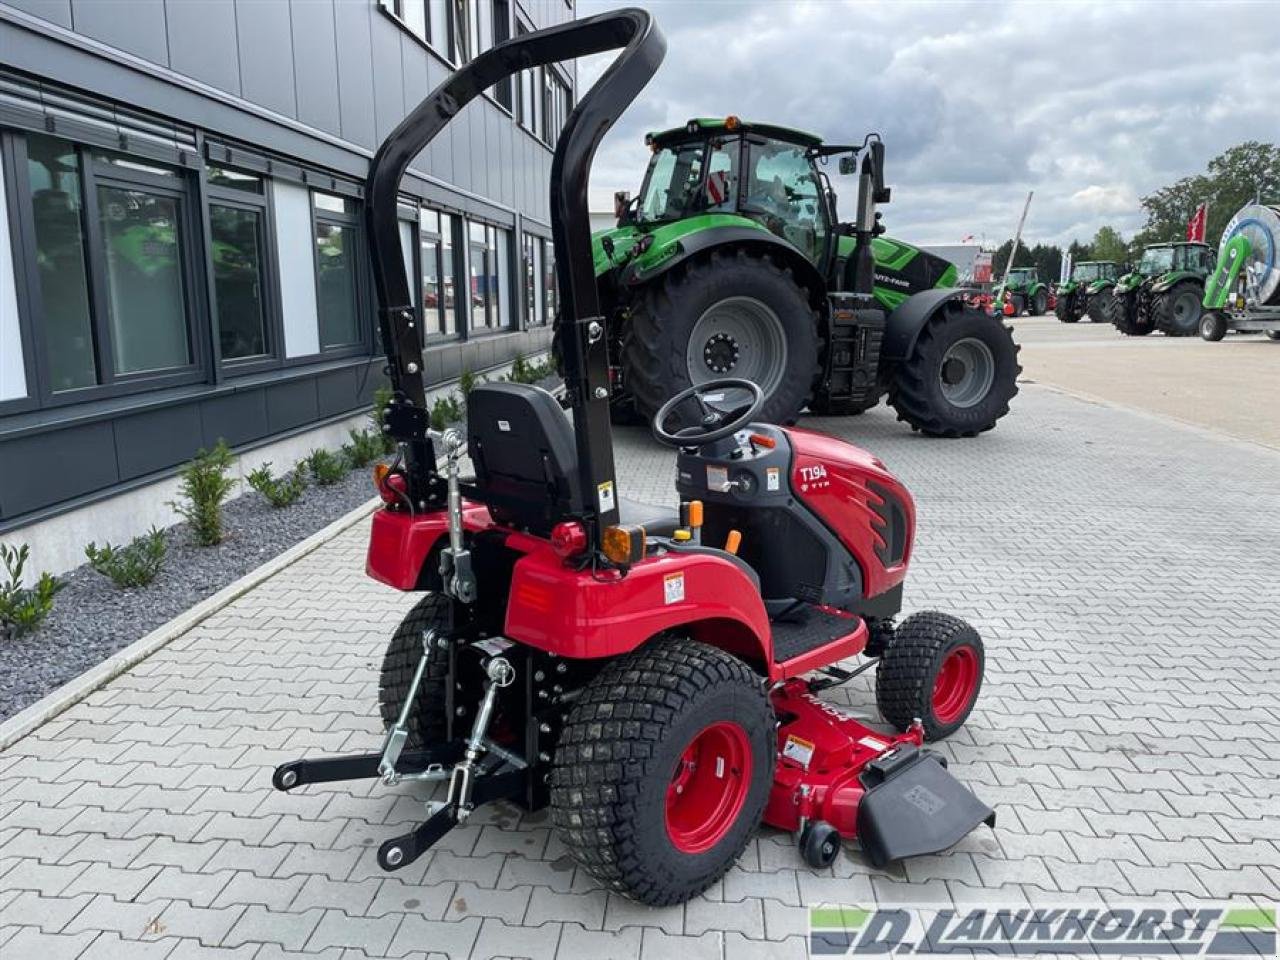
[477,769]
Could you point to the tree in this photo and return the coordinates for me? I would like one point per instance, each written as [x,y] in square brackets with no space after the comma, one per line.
[1107,244]
[1047,258]
[1000,259]
[1081,252]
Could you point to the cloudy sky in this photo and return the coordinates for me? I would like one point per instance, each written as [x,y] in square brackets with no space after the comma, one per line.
[1090,105]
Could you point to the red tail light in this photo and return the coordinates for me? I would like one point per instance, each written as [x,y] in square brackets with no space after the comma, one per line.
[568,539]
[391,486]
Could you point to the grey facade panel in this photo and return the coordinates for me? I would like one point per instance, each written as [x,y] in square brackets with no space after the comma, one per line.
[355,74]
[315,64]
[388,77]
[237,418]
[266,55]
[152,441]
[135,26]
[291,405]
[55,11]
[203,43]
[73,462]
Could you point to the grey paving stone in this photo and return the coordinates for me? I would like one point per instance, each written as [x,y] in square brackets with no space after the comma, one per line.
[498,939]
[579,944]
[30,942]
[337,929]
[659,945]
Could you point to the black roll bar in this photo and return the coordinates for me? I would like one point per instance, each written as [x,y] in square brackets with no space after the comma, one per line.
[583,344]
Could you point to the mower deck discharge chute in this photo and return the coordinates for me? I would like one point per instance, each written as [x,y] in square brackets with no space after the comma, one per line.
[651,676]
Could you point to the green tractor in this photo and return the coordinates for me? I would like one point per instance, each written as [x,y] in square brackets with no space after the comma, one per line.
[731,262]
[1077,295]
[1163,293]
[1024,288]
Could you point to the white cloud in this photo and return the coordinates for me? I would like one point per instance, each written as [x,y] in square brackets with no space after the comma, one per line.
[1091,105]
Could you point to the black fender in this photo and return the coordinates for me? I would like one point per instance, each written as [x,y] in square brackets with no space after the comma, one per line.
[748,238]
[903,327]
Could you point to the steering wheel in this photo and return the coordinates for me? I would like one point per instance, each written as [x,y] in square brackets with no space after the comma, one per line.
[715,424]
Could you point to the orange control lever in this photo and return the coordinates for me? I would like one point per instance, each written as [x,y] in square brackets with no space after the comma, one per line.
[733,542]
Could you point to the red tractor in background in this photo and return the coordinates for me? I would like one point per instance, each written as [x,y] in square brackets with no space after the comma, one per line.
[650,675]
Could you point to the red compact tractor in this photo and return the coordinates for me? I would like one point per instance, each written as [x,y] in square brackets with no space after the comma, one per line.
[653,678]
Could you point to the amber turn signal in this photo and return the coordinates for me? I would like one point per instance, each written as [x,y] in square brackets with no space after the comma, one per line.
[623,545]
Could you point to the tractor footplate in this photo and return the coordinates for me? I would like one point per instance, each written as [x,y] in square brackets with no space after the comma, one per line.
[913,806]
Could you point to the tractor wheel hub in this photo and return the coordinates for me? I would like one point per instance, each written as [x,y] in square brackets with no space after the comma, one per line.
[953,371]
[721,353]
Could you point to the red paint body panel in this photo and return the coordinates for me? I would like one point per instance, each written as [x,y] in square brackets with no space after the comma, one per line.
[831,477]
[825,750]
[577,614]
[399,543]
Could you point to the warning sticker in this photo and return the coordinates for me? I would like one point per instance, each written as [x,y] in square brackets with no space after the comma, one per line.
[718,479]
[799,750]
[605,491]
[873,744]
[493,645]
[673,587]
[504,426]
[773,478]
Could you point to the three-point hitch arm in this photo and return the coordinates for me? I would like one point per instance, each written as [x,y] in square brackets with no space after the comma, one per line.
[584,351]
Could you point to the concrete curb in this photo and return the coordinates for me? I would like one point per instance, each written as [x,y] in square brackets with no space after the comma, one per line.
[72,692]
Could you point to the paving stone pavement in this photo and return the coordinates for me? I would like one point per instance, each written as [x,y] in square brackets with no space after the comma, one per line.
[1122,569]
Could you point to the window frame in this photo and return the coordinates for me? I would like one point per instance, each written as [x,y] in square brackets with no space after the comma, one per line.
[363,344]
[181,187]
[492,311]
[273,299]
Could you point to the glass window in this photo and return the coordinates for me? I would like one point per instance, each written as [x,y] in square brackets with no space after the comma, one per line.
[722,176]
[146,303]
[478,266]
[550,290]
[460,22]
[783,195]
[534,305]
[53,167]
[438,15]
[448,276]
[502,275]
[488,264]
[336,281]
[238,237]
[222,177]
[332,204]
[671,182]
[501,32]
[128,163]
[414,14]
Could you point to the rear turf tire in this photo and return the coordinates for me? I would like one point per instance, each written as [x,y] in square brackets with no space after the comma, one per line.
[918,393]
[1177,311]
[664,318]
[933,671]
[427,720]
[623,752]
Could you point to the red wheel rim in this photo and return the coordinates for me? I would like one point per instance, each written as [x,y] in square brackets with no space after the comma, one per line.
[708,787]
[956,684]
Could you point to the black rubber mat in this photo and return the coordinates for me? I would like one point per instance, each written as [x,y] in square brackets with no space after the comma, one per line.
[807,629]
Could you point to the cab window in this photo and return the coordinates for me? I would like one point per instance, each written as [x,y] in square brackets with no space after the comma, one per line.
[784,196]
[722,176]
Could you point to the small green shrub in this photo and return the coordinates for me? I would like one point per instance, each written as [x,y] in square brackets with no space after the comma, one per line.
[327,468]
[444,411]
[23,608]
[279,491]
[378,416]
[468,381]
[523,371]
[134,565]
[364,448]
[205,487]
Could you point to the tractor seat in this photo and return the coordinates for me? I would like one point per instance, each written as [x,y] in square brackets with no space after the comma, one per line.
[522,447]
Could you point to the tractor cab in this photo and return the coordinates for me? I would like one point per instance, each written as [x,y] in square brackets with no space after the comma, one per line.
[1161,258]
[1092,270]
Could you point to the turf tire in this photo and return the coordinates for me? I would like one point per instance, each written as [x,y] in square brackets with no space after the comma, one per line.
[916,392]
[1163,310]
[907,671]
[619,749]
[427,721]
[664,315]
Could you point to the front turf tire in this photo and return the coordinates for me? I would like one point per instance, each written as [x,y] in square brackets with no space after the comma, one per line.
[427,721]
[625,749]
[917,392]
[932,671]
[665,315]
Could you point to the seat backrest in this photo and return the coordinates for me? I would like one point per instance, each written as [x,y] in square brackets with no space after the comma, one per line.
[521,445]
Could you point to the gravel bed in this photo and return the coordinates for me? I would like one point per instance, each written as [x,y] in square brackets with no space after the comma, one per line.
[92,618]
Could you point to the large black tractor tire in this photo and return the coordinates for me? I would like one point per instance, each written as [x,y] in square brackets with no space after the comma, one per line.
[1063,310]
[427,720]
[1122,313]
[932,671]
[1039,304]
[960,376]
[1095,308]
[657,731]
[1177,310]
[1213,326]
[1272,334]
[666,317]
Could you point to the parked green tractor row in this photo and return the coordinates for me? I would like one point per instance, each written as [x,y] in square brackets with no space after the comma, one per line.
[732,262]
[1024,288]
[1078,296]
[1164,292]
